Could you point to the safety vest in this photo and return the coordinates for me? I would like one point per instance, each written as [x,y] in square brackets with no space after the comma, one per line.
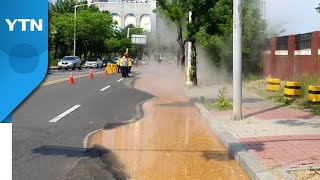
[130,62]
[120,61]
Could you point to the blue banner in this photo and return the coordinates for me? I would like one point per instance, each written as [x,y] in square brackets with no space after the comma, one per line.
[23,51]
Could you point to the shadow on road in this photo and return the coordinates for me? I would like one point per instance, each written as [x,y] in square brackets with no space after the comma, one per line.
[299,123]
[96,162]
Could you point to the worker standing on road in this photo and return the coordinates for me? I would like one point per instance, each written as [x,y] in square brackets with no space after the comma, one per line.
[124,65]
[129,65]
[118,64]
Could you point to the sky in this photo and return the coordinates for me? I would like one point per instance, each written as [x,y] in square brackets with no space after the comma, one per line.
[293,16]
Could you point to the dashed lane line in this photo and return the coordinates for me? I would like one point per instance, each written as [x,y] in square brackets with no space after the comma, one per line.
[120,80]
[105,88]
[65,113]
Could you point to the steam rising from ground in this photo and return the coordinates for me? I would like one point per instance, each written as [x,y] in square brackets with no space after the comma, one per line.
[166,36]
[208,73]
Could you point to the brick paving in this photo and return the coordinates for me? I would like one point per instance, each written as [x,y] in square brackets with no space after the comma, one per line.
[285,151]
[276,135]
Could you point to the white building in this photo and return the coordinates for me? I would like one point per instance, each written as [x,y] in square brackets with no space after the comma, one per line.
[137,12]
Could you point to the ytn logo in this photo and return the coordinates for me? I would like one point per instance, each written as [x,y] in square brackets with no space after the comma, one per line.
[32,22]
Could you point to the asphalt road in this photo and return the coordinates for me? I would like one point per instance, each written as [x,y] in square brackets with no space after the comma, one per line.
[50,126]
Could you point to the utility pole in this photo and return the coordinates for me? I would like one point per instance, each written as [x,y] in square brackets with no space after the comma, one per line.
[75,26]
[74,30]
[237,60]
[189,82]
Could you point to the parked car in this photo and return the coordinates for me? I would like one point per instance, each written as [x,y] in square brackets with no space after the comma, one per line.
[115,60]
[106,61]
[67,62]
[94,62]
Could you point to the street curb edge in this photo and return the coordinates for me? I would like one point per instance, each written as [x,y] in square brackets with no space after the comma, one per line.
[254,169]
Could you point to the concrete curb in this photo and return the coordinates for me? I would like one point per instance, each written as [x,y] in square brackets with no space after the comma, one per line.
[254,169]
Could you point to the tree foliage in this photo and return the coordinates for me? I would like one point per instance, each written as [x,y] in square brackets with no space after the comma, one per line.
[216,34]
[96,33]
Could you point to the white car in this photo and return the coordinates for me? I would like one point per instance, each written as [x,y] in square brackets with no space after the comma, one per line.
[94,63]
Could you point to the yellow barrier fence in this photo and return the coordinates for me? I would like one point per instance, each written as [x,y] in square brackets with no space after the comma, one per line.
[292,89]
[273,85]
[314,94]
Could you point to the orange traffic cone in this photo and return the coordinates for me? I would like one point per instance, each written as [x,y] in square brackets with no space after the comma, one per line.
[71,80]
[91,74]
[106,73]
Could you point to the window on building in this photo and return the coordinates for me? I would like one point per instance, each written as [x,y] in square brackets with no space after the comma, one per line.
[282,43]
[303,41]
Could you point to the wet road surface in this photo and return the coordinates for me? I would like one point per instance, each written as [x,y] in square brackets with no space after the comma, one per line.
[171,141]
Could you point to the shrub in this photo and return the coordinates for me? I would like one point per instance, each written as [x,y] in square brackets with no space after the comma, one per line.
[223,102]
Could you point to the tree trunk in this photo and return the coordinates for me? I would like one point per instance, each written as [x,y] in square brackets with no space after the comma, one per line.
[194,64]
[181,53]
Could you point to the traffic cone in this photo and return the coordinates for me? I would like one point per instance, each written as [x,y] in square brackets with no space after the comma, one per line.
[106,72]
[91,74]
[71,80]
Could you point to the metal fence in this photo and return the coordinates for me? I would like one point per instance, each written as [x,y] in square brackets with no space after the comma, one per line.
[303,41]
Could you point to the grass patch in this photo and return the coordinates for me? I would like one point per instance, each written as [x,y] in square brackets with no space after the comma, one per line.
[223,103]
[315,109]
[202,100]
[258,86]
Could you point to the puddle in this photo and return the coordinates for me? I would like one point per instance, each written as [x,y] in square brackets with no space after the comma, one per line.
[171,141]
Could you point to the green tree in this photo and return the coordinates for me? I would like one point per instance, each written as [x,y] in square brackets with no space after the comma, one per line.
[63,39]
[113,46]
[64,6]
[215,34]
[92,30]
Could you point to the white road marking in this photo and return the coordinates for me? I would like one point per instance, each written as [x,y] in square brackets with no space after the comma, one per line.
[65,113]
[105,88]
[120,80]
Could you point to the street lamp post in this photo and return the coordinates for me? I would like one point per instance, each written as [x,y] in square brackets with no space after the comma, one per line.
[75,24]
[237,60]
[318,9]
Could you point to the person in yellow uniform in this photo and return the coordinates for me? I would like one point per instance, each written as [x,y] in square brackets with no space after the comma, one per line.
[130,60]
[120,63]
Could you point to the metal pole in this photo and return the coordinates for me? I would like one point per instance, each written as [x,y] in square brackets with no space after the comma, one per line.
[237,60]
[189,82]
[74,33]
[128,33]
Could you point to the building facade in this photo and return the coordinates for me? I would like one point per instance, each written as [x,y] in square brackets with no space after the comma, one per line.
[124,12]
[289,57]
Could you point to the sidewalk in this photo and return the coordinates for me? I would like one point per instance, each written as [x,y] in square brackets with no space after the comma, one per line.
[171,141]
[280,138]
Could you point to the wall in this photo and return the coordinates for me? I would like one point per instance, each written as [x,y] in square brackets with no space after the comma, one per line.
[290,63]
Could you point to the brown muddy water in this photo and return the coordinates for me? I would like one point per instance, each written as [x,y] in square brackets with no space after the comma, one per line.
[171,141]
